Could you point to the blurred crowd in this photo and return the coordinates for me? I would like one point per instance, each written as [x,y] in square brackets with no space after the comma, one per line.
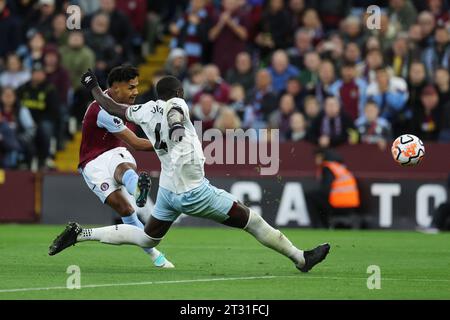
[310,68]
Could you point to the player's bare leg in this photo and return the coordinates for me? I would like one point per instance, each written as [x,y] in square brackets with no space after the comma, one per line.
[244,218]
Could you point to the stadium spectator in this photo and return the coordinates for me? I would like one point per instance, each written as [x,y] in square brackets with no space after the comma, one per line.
[120,28]
[444,134]
[14,75]
[214,84]
[60,34]
[390,94]
[176,64]
[416,82]
[20,122]
[442,81]
[439,54]
[281,70]
[191,32]
[34,51]
[9,145]
[440,11]
[275,29]
[372,128]
[297,9]
[332,127]
[309,76]
[327,78]
[313,24]
[311,110]
[103,44]
[243,72]
[206,111]
[337,193]
[41,98]
[297,127]
[9,31]
[427,120]
[228,34]
[352,53]
[427,24]
[332,12]
[386,33]
[58,76]
[227,119]
[332,49]
[41,17]
[77,58]
[351,91]
[294,88]
[88,7]
[193,82]
[402,14]
[353,31]
[237,100]
[399,57]
[302,45]
[261,101]
[280,118]
[374,60]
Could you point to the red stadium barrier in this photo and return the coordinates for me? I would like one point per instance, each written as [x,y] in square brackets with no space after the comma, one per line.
[19,196]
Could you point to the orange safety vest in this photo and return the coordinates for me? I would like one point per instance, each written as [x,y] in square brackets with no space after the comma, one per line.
[344,190]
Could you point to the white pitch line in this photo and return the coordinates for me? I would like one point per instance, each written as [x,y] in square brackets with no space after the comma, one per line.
[212,280]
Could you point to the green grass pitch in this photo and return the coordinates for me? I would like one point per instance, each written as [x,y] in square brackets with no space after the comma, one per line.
[220,263]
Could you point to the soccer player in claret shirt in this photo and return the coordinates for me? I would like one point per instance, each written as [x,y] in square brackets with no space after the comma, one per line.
[183,187]
[106,164]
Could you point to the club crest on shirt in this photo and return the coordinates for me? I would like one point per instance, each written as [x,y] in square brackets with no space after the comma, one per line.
[104,186]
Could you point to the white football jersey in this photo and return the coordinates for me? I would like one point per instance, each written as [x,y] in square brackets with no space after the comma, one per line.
[182,163]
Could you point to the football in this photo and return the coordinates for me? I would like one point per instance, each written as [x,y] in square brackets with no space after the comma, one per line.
[408,150]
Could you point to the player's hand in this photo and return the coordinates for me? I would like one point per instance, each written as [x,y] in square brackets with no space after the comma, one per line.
[89,80]
[176,133]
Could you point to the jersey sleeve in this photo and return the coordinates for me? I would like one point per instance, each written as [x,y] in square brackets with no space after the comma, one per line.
[140,113]
[179,104]
[111,123]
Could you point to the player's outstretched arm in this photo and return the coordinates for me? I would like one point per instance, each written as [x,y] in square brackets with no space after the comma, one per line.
[134,141]
[89,81]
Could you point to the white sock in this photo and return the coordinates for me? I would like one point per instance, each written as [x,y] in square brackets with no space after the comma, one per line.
[119,234]
[273,238]
[133,220]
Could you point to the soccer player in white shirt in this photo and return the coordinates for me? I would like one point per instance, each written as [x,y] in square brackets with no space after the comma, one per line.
[183,187]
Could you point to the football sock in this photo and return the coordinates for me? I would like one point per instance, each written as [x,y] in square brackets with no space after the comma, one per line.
[119,234]
[130,180]
[133,220]
[273,238]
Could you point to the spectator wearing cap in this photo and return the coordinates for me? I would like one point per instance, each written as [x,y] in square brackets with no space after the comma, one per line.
[190,32]
[333,127]
[41,18]
[281,70]
[439,54]
[14,75]
[228,34]
[426,121]
[390,93]
[176,64]
[9,31]
[243,72]
[402,13]
[351,90]
[372,128]
[41,98]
